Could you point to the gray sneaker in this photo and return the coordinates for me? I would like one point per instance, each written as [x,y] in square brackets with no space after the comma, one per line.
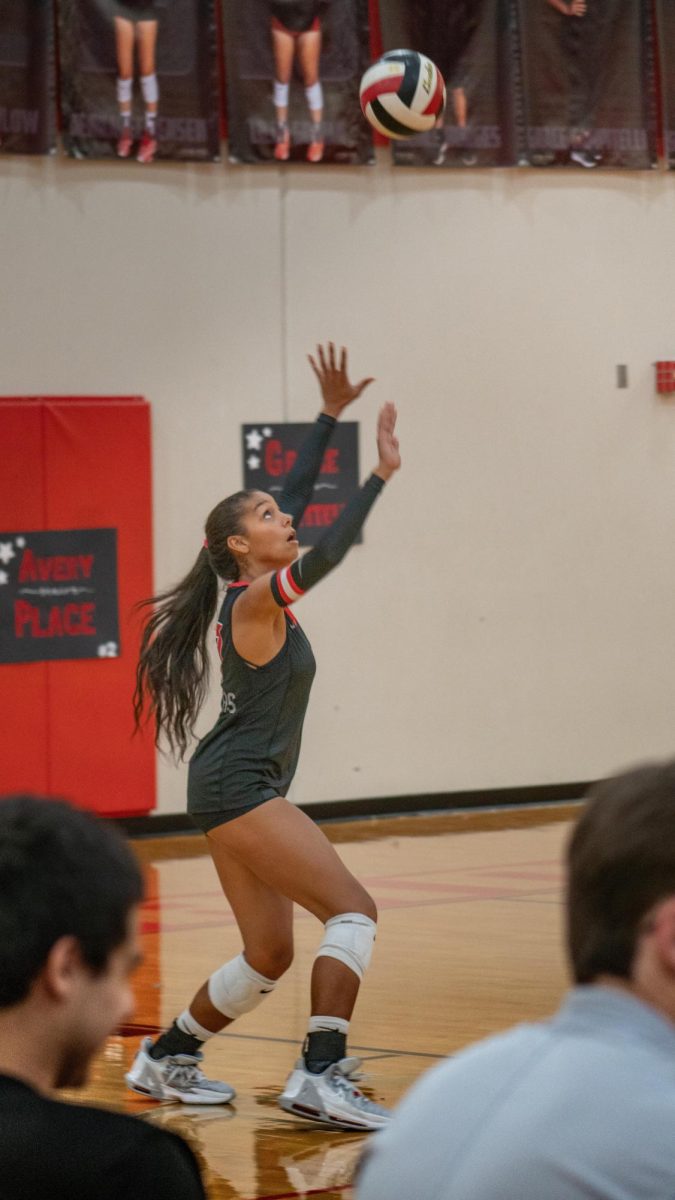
[331,1097]
[175,1077]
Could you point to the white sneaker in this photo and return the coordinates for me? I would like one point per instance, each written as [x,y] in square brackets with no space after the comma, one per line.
[175,1077]
[331,1097]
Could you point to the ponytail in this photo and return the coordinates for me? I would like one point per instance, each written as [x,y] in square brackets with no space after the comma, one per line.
[173,667]
[172,675]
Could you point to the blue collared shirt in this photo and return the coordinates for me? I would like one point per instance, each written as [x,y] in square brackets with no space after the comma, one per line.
[580,1107]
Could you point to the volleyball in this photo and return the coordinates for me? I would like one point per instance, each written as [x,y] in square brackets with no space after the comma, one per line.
[402,94]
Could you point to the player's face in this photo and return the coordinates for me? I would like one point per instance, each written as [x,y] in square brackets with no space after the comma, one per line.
[98,1005]
[270,532]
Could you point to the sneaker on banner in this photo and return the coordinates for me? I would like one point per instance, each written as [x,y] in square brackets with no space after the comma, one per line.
[125,143]
[315,150]
[584,158]
[282,148]
[175,1077]
[147,149]
[332,1097]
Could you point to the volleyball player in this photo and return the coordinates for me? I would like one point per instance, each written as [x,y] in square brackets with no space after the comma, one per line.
[296,33]
[449,28]
[267,852]
[136,24]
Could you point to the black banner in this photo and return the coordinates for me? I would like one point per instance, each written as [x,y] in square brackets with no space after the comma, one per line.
[58,595]
[588,83]
[666,39]
[27,121]
[139,79]
[472,44]
[293,73]
[269,452]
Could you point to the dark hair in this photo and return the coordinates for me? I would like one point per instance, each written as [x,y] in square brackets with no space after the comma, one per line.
[63,872]
[621,862]
[173,666]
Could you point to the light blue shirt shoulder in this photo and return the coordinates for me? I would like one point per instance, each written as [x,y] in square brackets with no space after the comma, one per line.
[581,1105]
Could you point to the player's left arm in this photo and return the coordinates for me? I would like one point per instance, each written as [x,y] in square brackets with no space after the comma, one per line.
[337,393]
[291,583]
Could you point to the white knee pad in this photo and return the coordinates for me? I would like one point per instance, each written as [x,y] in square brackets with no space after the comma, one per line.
[150,88]
[314,95]
[349,938]
[281,91]
[236,988]
[124,90]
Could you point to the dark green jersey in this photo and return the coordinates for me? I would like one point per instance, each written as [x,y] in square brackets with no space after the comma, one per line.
[252,751]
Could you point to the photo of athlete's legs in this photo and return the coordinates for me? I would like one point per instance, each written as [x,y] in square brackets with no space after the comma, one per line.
[141,36]
[306,46]
[460,112]
[267,859]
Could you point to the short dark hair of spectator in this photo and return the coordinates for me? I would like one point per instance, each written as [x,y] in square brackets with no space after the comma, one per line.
[621,863]
[63,872]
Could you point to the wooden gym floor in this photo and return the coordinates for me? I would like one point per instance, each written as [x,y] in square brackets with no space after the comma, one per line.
[469,942]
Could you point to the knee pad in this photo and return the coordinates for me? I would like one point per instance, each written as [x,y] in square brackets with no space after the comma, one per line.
[349,937]
[281,91]
[150,88]
[314,95]
[235,988]
[124,90]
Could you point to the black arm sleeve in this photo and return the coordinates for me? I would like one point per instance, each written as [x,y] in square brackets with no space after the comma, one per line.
[292,582]
[299,485]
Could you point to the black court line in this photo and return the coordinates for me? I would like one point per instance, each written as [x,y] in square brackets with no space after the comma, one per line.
[375,1051]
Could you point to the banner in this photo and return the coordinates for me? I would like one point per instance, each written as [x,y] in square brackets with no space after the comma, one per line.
[588,83]
[269,452]
[139,79]
[472,45]
[293,73]
[665,11]
[27,121]
[58,595]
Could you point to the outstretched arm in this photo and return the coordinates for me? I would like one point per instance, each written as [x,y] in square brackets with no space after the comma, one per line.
[337,393]
[257,619]
[292,582]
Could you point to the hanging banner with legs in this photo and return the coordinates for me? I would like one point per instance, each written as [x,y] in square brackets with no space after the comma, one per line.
[139,79]
[588,83]
[471,43]
[293,72]
[27,113]
[665,16]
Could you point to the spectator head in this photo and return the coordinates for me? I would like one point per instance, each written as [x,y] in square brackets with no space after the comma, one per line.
[69,894]
[621,879]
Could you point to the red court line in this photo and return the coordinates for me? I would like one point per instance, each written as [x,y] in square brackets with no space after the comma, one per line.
[312,1192]
[466,889]
[443,895]
[507,873]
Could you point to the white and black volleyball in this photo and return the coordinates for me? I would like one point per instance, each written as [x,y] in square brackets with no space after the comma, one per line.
[402,94]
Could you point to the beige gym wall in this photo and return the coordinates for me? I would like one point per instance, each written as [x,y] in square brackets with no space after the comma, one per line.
[510,617]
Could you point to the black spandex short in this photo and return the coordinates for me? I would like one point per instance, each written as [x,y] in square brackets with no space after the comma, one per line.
[131,11]
[206,821]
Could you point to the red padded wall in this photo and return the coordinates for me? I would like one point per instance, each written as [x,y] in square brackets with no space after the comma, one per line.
[23,686]
[81,462]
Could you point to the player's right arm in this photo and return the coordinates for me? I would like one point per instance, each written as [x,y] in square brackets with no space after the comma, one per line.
[257,617]
[337,393]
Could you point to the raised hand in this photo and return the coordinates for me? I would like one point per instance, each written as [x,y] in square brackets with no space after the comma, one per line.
[336,389]
[387,442]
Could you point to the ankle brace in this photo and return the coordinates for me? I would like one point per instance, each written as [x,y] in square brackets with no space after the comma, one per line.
[174,1041]
[322,1049]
